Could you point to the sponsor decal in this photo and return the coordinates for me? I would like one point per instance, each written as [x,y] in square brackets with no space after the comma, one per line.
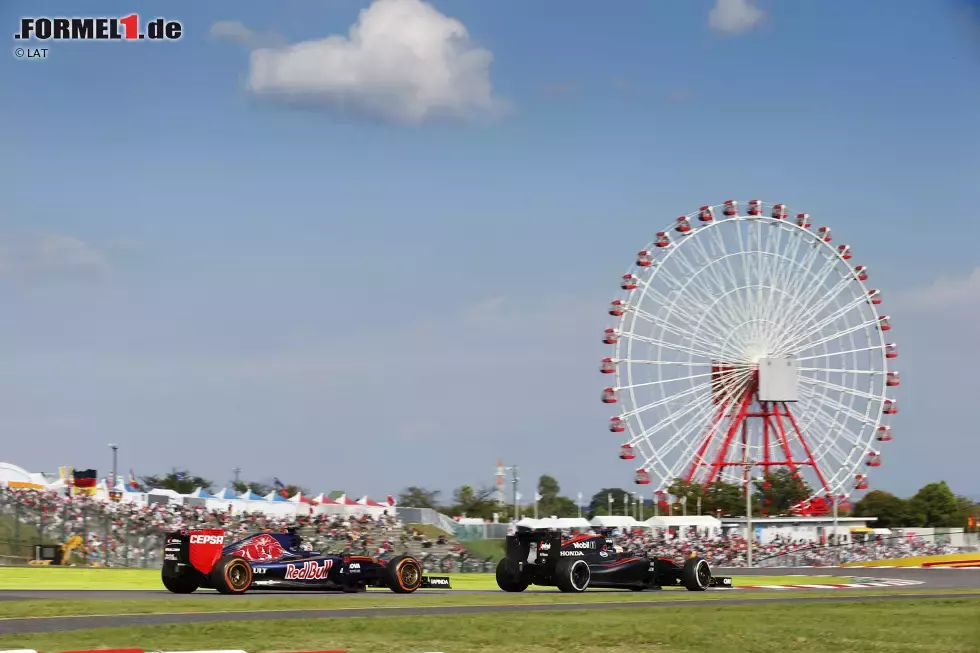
[726,581]
[544,546]
[170,556]
[260,571]
[309,570]
[438,581]
[172,549]
[261,548]
[207,539]
[583,545]
[603,553]
[354,567]
[571,553]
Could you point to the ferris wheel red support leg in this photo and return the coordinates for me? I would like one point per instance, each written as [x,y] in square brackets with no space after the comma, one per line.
[699,457]
[806,448]
[784,443]
[739,418]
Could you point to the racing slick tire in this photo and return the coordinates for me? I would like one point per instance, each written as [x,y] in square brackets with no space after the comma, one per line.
[231,575]
[572,575]
[403,574]
[180,584]
[696,574]
[507,579]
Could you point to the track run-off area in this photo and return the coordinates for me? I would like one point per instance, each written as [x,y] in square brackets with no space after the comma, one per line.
[142,607]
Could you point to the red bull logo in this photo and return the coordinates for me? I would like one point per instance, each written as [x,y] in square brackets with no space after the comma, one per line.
[309,570]
[261,548]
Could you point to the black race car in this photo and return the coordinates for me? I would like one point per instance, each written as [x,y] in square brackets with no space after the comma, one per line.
[573,564]
[194,559]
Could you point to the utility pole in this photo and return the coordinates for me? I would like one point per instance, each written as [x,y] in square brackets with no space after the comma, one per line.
[579,505]
[115,451]
[836,539]
[517,497]
[748,511]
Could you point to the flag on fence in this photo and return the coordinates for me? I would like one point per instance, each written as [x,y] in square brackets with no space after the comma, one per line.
[133,483]
[85,481]
[281,487]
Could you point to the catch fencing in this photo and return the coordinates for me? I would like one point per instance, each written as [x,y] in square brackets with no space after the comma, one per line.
[875,549]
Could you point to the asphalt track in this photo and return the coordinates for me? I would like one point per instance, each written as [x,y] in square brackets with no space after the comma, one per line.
[932,579]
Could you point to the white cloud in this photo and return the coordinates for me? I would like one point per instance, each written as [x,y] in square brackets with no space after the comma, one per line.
[734,16]
[944,294]
[40,255]
[402,61]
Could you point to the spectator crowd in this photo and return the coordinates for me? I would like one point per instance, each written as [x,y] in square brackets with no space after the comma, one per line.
[130,534]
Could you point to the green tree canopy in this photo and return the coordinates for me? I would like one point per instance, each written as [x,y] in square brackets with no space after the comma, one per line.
[935,505]
[599,504]
[891,511]
[180,481]
[473,502]
[784,491]
[419,497]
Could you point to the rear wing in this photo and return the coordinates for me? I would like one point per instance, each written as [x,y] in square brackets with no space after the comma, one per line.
[533,546]
[187,551]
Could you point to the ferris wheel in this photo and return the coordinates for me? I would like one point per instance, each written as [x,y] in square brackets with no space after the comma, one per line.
[750,342]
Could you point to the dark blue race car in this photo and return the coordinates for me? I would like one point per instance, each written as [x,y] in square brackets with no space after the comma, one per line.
[194,559]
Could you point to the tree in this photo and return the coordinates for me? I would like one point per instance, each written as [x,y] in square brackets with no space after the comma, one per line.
[781,491]
[260,489]
[599,504]
[935,505]
[474,502]
[727,498]
[549,490]
[419,497]
[180,481]
[891,511]
[687,491]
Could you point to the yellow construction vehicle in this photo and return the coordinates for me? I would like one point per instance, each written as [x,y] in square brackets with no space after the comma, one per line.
[57,554]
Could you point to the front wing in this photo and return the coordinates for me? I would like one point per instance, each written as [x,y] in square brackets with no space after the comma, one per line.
[435,582]
[721,581]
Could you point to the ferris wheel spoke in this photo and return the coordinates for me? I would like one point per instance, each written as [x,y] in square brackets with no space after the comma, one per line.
[667,345]
[842,353]
[830,403]
[664,401]
[644,436]
[841,388]
[817,285]
[803,332]
[833,425]
[672,329]
[795,348]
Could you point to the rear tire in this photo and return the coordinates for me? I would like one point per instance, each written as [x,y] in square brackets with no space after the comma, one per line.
[507,579]
[696,575]
[180,584]
[403,574]
[572,575]
[232,575]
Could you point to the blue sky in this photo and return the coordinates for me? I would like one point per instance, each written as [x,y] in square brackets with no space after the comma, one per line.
[212,276]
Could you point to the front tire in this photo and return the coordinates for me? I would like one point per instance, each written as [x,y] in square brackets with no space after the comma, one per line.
[696,575]
[507,580]
[180,584]
[572,575]
[404,574]
[232,575]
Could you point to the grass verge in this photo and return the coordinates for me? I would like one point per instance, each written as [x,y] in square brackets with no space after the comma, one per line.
[295,606]
[87,578]
[946,625]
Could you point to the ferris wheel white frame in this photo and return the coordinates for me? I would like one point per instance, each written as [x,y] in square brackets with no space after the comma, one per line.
[731,326]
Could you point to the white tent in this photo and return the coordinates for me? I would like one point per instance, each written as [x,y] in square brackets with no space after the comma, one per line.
[617,521]
[575,523]
[705,524]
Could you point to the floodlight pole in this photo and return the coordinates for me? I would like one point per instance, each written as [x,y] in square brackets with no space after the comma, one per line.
[748,511]
[115,451]
[836,538]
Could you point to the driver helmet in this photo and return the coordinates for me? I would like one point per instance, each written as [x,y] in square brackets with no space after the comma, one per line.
[305,546]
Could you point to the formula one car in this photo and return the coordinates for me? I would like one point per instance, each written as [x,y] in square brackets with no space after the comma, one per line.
[544,557]
[195,559]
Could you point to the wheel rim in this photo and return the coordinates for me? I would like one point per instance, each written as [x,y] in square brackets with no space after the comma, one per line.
[703,575]
[410,575]
[238,576]
[580,575]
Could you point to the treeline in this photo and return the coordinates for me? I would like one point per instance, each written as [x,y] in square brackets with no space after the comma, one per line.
[183,482]
[934,505]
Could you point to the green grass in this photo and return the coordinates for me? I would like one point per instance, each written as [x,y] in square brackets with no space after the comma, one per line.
[296,605]
[26,536]
[946,625]
[73,578]
[485,548]
[429,530]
